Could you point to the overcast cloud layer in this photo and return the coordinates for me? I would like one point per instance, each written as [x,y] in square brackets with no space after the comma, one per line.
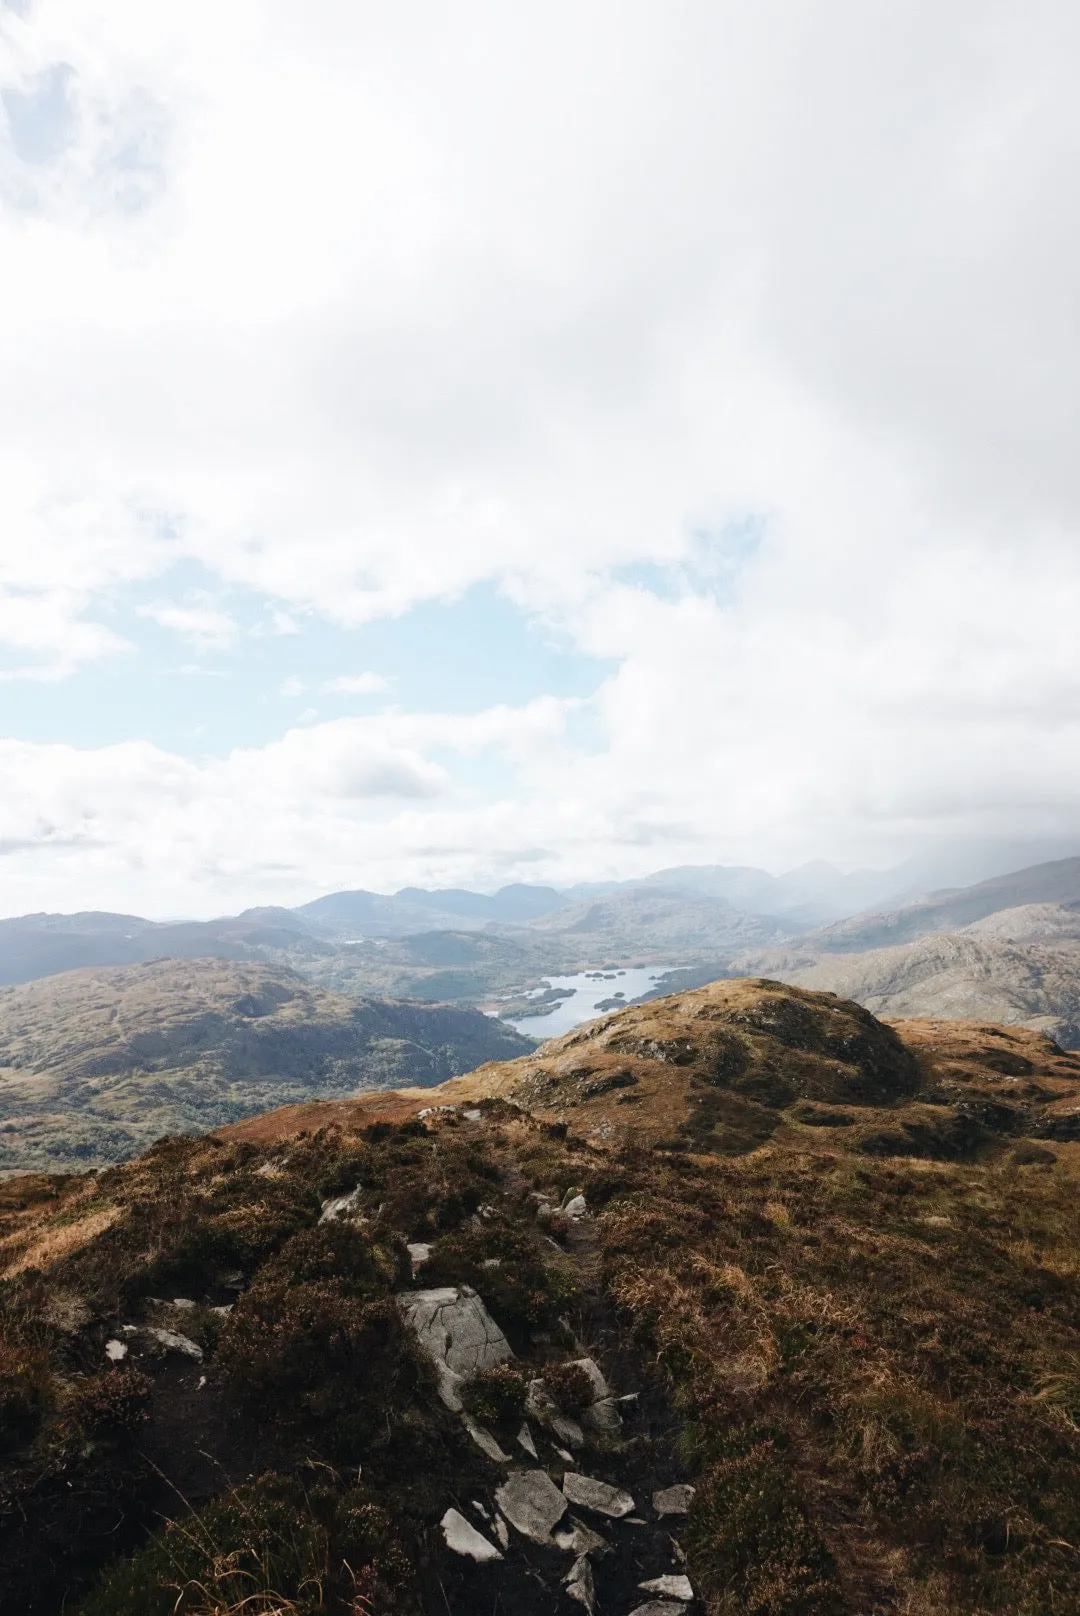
[736,345]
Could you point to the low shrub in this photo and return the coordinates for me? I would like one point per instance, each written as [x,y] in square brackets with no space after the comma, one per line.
[316,1355]
[113,1404]
[276,1548]
[25,1390]
[570,1386]
[496,1395]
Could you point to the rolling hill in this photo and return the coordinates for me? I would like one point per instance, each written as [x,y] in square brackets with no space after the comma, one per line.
[96,1064]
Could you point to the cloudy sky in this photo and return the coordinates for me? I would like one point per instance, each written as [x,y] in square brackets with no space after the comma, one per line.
[461,444]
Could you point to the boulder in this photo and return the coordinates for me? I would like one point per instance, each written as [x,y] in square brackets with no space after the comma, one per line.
[531,1503]
[598,1496]
[458,1334]
[463,1538]
[659,1607]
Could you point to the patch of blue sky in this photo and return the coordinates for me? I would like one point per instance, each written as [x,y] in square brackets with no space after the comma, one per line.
[458,656]
[40,119]
[712,565]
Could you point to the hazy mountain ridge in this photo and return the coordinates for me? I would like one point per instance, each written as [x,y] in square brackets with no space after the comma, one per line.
[96,1064]
[1006,950]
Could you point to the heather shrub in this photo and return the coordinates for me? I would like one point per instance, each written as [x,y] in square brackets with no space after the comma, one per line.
[570,1386]
[314,1356]
[496,1395]
[25,1388]
[113,1404]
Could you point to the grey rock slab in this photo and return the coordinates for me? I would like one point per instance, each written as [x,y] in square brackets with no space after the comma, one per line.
[669,1587]
[486,1442]
[568,1431]
[463,1538]
[658,1607]
[502,1531]
[599,1496]
[576,1209]
[602,1416]
[454,1328]
[525,1440]
[674,1500]
[531,1503]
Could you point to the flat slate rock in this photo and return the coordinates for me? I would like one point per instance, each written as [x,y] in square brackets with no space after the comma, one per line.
[669,1587]
[532,1503]
[659,1607]
[674,1500]
[463,1538]
[598,1496]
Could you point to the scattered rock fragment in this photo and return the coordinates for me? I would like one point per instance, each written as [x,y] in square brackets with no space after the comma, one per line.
[581,1586]
[599,1496]
[525,1440]
[669,1587]
[338,1205]
[486,1442]
[576,1209]
[674,1500]
[581,1539]
[659,1607]
[501,1531]
[116,1351]
[167,1341]
[531,1503]
[419,1253]
[465,1539]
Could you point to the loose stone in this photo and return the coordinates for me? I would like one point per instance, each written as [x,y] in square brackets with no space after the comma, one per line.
[465,1539]
[674,1500]
[596,1495]
[532,1503]
[670,1587]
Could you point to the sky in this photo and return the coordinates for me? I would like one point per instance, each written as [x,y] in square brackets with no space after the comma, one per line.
[459,445]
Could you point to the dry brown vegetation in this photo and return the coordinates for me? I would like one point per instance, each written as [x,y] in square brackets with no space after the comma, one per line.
[840,1257]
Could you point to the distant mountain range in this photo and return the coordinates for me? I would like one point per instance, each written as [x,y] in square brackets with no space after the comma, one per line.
[1014,957]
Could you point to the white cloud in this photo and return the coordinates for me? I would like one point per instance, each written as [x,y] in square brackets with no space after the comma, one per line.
[359,311]
[357,684]
[206,626]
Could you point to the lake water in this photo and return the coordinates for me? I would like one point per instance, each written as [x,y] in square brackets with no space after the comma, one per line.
[587,989]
